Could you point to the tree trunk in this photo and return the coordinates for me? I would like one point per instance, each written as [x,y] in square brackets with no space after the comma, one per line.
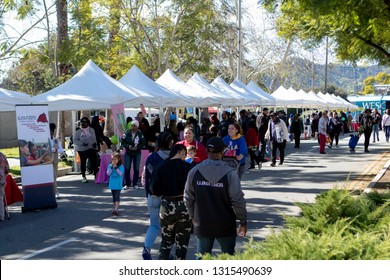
[109,126]
[62,29]
[61,50]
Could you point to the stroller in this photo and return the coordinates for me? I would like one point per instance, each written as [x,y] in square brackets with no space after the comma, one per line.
[353,142]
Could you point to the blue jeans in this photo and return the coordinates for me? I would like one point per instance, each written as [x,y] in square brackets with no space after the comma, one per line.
[205,244]
[387,132]
[375,131]
[154,203]
[129,159]
[241,171]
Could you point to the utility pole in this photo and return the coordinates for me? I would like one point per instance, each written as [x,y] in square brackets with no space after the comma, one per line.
[312,71]
[326,66]
[239,44]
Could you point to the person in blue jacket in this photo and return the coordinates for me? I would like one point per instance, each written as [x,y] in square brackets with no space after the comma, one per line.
[115,171]
[236,146]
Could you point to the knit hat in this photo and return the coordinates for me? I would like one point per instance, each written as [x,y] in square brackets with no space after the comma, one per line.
[136,123]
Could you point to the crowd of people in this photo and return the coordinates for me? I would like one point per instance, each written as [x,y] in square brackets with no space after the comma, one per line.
[189,180]
[190,185]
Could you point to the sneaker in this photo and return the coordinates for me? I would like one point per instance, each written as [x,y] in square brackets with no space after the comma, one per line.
[125,188]
[146,254]
[252,167]
[322,153]
[57,195]
[84,180]
[329,146]
[366,151]
[280,163]
[137,187]
[272,164]
[260,165]
[115,212]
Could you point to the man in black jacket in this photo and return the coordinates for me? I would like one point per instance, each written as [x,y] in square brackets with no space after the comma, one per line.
[224,124]
[262,121]
[215,201]
[168,182]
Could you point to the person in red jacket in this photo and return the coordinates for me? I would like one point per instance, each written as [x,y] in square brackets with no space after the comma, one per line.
[201,152]
[252,141]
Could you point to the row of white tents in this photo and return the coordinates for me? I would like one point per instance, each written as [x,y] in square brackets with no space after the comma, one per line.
[91,88]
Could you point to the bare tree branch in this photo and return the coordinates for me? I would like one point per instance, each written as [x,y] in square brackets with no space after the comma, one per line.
[10,48]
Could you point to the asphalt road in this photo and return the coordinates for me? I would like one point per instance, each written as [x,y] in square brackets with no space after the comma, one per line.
[82,227]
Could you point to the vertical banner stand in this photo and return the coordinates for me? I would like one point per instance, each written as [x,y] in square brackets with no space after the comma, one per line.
[36,164]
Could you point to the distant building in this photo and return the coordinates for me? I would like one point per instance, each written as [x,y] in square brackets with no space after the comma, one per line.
[372,101]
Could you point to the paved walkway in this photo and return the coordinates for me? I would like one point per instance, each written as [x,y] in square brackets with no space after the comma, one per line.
[83,228]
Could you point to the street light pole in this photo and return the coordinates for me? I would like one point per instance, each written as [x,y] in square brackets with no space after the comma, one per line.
[326,66]
[239,44]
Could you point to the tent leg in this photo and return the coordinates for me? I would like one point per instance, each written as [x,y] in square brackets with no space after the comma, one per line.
[75,165]
[162,118]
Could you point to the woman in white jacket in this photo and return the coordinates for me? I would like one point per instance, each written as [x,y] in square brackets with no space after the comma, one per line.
[386,124]
[277,134]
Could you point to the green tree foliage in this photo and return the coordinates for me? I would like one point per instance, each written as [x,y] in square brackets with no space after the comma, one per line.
[184,35]
[382,78]
[359,28]
[172,34]
[87,33]
[32,74]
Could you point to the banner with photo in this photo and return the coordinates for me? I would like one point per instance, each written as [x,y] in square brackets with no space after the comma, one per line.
[118,113]
[36,164]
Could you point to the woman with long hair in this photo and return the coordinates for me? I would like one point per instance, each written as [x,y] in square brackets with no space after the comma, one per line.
[236,146]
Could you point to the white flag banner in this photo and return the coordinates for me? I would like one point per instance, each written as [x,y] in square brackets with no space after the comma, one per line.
[36,164]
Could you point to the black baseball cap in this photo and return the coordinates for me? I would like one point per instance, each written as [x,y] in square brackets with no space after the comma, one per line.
[215,145]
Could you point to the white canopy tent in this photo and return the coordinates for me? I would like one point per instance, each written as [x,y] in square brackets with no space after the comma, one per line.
[135,78]
[289,97]
[348,105]
[331,103]
[199,97]
[224,87]
[9,98]
[252,97]
[337,103]
[198,82]
[301,96]
[314,102]
[255,88]
[322,103]
[91,88]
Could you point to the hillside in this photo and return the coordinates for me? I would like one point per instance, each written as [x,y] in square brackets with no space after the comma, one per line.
[299,75]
